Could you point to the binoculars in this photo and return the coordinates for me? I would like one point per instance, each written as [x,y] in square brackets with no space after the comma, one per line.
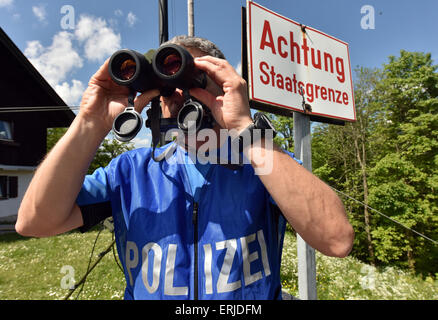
[169,67]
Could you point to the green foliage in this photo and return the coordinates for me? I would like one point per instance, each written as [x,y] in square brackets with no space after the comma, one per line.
[387,159]
[53,135]
[403,181]
[285,128]
[351,279]
[108,150]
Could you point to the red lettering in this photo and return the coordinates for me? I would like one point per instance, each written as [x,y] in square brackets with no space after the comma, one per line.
[316,91]
[316,65]
[312,57]
[294,80]
[340,69]
[328,58]
[309,92]
[267,33]
[345,98]
[338,97]
[305,51]
[294,48]
[264,65]
[280,51]
[280,82]
[323,93]
[300,87]
[288,84]
[331,95]
[273,75]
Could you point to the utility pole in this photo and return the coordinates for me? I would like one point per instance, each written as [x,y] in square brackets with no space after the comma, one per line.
[163,21]
[190,18]
[163,33]
[306,254]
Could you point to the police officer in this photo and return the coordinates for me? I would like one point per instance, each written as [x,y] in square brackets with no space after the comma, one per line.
[185,230]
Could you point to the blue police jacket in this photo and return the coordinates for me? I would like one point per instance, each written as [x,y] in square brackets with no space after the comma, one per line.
[225,243]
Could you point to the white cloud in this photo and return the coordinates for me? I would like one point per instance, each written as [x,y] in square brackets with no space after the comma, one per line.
[6,3]
[56,62]
[33,49]
[118,13]
[239,68]
[39,12]
[142,141]
[99,40]
[70,94]
[61,58]
[131,19]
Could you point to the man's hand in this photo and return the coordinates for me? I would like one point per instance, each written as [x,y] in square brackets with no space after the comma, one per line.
[309,205]
[49,205]
[230,110]
[103,100]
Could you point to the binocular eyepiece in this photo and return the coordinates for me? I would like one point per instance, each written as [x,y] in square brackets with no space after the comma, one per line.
[170,67]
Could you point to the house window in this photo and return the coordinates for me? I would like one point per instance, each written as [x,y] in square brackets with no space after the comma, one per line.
[6,130]
[8,187]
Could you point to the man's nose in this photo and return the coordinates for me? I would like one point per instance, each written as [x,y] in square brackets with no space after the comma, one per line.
[177,97]
[172,105]
[179,93]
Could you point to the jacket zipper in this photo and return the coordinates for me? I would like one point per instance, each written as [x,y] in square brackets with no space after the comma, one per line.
[195,246]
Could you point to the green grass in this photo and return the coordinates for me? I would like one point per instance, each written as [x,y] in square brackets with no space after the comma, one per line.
[30,268]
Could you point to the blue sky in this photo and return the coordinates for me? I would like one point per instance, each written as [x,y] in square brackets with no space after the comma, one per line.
[67,58]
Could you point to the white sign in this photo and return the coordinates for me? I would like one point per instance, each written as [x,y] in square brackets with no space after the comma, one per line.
[287,62]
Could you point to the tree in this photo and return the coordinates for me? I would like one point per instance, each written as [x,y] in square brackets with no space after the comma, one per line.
[53,135]
[404,180]
[342,157]
[388,159]
[285,131]
[108,150]
[361,133]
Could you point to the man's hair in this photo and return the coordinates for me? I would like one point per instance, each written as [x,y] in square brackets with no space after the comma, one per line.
[202,44]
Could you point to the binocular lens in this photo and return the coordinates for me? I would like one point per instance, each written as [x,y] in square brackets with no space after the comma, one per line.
[127,69]
[171,64]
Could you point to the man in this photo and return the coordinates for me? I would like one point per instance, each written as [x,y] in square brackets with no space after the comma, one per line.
[184,230]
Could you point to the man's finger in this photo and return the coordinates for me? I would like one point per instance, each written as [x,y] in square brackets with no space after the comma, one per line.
[204,96]
[216,70]
[219,70]
[213,60]
[102,74]
[210,101]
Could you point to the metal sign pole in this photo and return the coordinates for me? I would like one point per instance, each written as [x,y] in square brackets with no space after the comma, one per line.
[190,18]
[306,254]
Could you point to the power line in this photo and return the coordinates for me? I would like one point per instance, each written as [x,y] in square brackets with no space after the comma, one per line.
[37,109]
[71,108]
[387,217]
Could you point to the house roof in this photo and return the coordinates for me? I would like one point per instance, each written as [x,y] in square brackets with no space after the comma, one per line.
[21,85]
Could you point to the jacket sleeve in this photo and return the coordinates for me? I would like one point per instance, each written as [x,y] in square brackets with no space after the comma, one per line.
[94,200]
